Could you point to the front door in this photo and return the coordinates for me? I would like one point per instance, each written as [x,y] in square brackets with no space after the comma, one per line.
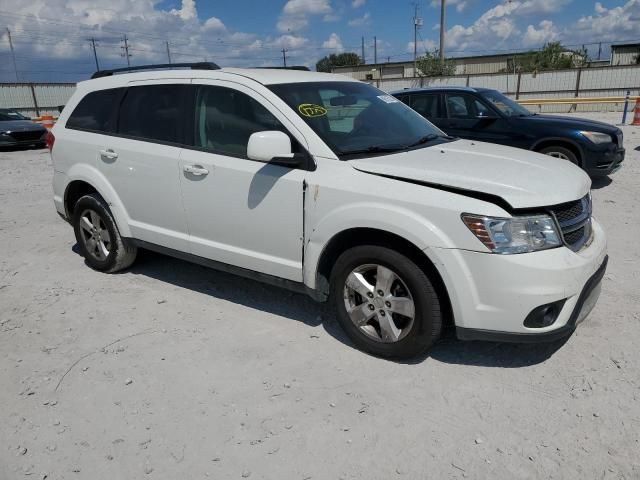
[469,117]
[240,212]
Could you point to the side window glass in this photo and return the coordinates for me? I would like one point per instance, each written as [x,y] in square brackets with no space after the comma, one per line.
[481,109]
[226,118]
[95,111]
[457,106]
[153,112]
[425,105]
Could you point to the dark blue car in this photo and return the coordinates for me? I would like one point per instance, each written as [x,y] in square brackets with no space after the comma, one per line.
[487,115]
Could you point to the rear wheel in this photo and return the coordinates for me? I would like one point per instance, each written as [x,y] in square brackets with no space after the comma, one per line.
[385,302]
[562,153]
[97,235]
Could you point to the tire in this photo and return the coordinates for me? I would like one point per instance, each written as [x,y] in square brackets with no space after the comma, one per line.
[99,240]
[561,153]
[361,266]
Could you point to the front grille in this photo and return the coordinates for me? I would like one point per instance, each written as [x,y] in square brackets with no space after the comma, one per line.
[27,136]
[574,219]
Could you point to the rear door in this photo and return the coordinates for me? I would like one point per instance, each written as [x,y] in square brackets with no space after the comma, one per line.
[141,160]
[429,106]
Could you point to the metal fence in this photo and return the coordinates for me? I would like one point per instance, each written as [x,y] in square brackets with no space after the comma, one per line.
[35,99]
[580,82]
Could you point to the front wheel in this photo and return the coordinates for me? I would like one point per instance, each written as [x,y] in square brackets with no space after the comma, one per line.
[562,153]
[385,303]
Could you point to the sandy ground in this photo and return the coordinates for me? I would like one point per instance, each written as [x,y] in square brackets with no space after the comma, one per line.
[170,371]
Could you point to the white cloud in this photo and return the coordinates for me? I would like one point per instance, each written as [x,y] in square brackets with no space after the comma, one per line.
[214,24]
[459,4]
[535,37]
[599,8]
[619,23]
[333,42]
[188,10]
[307,7]
[295,14]
[422,46]
[358,3]
[360,21]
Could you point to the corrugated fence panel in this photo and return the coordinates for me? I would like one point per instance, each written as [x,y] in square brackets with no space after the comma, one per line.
[49,97]
[563,80]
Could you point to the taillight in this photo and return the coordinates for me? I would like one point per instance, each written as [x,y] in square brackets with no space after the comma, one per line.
[50,139]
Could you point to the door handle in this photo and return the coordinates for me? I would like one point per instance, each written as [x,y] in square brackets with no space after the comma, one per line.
[108,153]
[196,170]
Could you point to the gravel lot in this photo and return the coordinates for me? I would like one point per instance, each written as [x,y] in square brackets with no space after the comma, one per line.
[170,370]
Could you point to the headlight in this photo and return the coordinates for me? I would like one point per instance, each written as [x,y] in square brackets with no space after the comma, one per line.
[597,137]
[514,235]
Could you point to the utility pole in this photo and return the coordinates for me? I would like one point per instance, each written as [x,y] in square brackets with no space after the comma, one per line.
[417,22]
[284,57]
[95,55]
[168,51]
[599,49]
[363,60]
[442,9]
[125,50]
[375,50]
[13,54]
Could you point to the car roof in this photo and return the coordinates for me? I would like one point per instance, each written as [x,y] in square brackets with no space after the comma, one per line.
[265,76]
[453,88]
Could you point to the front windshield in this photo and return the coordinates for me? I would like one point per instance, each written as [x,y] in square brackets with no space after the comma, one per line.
[6,115]
[507,106]
[355,118]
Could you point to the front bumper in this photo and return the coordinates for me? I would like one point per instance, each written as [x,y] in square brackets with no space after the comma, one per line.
[491,295]
[603,161]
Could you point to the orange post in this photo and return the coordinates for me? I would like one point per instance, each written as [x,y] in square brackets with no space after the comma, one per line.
[636,113]
[47,121]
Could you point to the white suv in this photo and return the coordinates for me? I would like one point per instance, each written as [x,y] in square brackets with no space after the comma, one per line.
[329,186]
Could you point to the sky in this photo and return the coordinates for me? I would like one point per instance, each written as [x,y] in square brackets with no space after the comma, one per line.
[51,38]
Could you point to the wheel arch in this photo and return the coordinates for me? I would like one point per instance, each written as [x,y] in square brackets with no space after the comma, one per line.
[560,142]
[353,237]
[83,180]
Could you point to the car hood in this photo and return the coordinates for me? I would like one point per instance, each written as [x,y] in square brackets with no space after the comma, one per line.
[522,178]
[19,126]
[554,121]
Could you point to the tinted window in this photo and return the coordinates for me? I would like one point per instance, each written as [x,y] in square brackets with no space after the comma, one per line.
[226,118]
[153,112]
[426,105]
[95,111]
[8,115]
[466,106]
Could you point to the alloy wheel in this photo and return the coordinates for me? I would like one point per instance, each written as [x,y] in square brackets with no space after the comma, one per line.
[95,235]
[379,303]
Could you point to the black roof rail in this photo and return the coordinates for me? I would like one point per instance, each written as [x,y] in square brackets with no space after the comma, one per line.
[192,66]
[292,67]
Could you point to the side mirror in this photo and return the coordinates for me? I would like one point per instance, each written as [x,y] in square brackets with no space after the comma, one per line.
[267,145]
[274,147]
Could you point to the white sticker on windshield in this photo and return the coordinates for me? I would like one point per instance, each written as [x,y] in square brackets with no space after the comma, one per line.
[388,99]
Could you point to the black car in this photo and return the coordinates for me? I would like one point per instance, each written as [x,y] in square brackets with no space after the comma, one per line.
[489,116]
[17,130]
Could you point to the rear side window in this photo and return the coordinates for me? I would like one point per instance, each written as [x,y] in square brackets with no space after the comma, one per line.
[153,112]
[426,105]
[95,111]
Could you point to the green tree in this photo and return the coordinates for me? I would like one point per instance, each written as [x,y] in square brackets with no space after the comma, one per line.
[553,56]
[429,65]
[337,60]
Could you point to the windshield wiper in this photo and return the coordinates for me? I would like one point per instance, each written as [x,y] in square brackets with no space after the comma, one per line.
[422,140]
[373,149]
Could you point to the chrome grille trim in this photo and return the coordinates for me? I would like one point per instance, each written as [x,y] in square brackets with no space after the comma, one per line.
[574,220]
